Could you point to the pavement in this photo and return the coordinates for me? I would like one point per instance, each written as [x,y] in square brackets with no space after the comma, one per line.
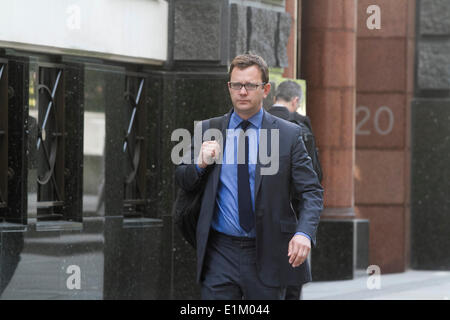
[408,285]
[35,278]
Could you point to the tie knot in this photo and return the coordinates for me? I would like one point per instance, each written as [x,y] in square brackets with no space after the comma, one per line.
[245,124]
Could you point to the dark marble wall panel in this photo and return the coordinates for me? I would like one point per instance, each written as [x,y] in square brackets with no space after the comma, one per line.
[161,94]
[184,98]
[197,98]
[197,33]
[433,48]
[113,287]
[200,98]
[160,187]
[434,65]
[120,265]
[3,137]
[263,29]
[238,29]
[17,139]
[134,260]
[216,31]
[114,137]
[332,258]
[74,122]
[430,184]
[283,32]
[434,17]
[163,262]
[267,35]
[154,144]
[430,139]
[11,246]
[362,245]
[153,264]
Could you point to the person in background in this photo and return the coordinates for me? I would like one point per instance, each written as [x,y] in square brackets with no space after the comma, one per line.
[286,102]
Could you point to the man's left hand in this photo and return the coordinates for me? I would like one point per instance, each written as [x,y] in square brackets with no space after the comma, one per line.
[298,250]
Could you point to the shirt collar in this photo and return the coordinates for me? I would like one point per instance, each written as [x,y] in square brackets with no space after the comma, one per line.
[279,105]
[255,120]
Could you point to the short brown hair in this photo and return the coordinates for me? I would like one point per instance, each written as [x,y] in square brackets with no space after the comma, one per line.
[244,61]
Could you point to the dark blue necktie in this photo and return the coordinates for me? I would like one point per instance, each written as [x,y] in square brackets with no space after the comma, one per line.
[246,219]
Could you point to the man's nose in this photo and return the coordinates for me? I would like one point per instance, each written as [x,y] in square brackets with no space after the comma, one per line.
[243,91]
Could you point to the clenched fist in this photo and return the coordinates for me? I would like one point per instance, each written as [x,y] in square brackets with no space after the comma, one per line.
[209,152]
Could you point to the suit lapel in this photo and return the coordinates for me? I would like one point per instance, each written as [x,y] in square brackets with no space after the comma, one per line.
[218,167]
[268,123]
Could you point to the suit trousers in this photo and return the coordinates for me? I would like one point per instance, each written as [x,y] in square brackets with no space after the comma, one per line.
[230,271]
[293,293]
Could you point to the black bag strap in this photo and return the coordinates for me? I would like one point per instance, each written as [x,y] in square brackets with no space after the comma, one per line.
[213,123]
[216,123]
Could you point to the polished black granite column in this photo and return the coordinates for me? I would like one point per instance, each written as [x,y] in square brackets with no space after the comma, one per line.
[342,248]
[17,139]
[430,139]
[74,122]
[430,184]
[184,97]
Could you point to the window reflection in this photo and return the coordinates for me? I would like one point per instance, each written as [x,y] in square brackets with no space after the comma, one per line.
[32,138]
[94,143]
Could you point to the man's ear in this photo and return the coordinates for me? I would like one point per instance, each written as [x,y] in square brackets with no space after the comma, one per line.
[267,87]
[295,103]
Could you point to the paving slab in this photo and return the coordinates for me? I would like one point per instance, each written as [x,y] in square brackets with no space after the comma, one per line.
[409,285]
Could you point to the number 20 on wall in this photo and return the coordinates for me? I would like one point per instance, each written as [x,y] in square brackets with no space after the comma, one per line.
[362,124]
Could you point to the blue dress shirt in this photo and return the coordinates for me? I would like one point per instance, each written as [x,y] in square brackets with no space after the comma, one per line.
[226,215]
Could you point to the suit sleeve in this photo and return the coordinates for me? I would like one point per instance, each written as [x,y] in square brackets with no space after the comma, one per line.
[306,190]
[187,176]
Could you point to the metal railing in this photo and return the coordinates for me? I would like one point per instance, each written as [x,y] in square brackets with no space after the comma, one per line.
[50,143]
[134,147]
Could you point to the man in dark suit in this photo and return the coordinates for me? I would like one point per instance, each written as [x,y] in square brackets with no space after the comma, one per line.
[286,102]
[250,242]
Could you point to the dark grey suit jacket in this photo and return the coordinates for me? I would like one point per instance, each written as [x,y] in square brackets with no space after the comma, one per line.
[276,221]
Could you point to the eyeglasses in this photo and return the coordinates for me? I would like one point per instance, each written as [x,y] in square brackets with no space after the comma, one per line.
[247,86]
